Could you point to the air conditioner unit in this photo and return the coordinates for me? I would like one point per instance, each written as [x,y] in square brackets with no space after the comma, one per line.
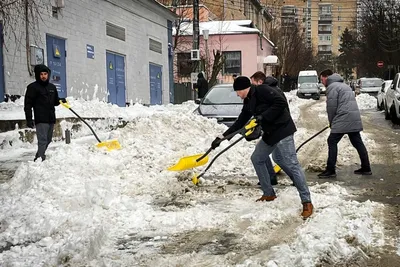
[59,3]
[195,54]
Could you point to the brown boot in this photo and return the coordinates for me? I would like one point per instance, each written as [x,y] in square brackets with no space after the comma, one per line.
[307,210]
[266,198]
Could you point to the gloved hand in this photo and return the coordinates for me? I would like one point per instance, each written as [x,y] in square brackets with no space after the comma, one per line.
[217,141]
[258,119]
[63,100]
[30,124]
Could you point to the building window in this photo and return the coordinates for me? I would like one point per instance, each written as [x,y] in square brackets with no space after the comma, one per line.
[339,28]
[326,9]
[115,31]
[184,64]
[233,62]
[155,46]
[339,18]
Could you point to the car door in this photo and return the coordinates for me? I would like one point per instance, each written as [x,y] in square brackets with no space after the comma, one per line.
[390,94]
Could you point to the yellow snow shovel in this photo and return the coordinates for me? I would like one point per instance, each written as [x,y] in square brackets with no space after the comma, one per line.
[194,161]
[109,144]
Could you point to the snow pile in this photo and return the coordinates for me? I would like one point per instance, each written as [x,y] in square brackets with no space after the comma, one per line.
[366,101]
[87,206]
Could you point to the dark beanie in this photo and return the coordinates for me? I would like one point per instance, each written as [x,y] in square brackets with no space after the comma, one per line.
[241,83]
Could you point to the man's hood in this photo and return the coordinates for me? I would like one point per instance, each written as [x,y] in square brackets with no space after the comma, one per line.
[334,78]
[271,81]
[41,68]
[200,75]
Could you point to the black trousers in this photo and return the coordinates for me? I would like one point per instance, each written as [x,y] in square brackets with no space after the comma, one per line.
[356,141]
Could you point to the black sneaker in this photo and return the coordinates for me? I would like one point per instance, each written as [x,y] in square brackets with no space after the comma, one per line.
[327,174]
[363,171]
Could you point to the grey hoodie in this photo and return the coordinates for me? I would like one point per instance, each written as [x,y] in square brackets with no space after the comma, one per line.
[341,105]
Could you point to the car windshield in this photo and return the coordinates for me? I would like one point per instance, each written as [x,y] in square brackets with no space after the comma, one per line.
[308,85]
[308,79]
[222,95]
[371,83]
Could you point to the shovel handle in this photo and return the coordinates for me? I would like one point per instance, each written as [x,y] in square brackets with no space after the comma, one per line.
[219,154]
[229,136]
[312,137]
[66,105]
[205,154]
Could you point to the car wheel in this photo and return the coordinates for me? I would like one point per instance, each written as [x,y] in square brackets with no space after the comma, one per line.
[387,115]
[393,115]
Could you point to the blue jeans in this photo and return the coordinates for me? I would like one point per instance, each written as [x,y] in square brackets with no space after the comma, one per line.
[285,157]
[270,168]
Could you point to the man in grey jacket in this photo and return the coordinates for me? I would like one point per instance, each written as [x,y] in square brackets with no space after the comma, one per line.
[344,118]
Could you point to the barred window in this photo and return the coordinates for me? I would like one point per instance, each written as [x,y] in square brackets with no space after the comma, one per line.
[233,62]
[184,64]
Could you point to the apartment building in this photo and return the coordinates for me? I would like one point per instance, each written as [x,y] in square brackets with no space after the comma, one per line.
[226,10]
[322,21]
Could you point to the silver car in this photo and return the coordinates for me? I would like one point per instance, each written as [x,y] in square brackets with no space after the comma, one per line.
[380,101]
[369,86]
[221,103]
[309,90]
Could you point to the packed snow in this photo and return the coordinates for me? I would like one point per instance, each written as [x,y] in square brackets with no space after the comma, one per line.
[87,206]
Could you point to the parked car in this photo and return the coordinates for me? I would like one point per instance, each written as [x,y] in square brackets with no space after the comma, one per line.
[221,103]
[369,86]
[309,90]
[380,100]
[322,89]
[392,101]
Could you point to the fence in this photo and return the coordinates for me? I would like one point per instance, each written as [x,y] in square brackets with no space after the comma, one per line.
[182,92]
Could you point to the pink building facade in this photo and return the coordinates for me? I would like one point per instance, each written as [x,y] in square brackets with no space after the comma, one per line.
[243,48]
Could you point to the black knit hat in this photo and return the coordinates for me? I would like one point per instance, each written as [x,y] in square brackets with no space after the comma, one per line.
[241,83]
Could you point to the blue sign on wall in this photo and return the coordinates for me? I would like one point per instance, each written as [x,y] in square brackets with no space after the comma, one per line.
[90,51]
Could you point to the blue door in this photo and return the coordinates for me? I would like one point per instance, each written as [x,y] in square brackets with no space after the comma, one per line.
[2,84]
[57,64]
[115,65]
[155,84]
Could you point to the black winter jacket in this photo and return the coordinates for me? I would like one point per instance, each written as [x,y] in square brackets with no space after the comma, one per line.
[272,105]
[201,85]
[42,96]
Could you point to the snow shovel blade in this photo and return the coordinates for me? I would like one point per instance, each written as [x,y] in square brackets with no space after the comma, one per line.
[189,162]
[109,144]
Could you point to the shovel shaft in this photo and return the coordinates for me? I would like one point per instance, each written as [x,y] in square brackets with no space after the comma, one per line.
[311,138]
[229,136]
[219,154]
[76,114]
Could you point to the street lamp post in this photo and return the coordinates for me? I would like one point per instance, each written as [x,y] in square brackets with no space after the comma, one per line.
[205,36]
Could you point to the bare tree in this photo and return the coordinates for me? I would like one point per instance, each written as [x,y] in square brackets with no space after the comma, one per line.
[290,44]
[16,15]
[379,36]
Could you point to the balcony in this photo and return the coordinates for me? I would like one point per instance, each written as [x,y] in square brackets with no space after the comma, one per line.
[325,52]
[324,22]
[325,32]
[325,42]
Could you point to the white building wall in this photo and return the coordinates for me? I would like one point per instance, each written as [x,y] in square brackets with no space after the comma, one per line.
[83,22]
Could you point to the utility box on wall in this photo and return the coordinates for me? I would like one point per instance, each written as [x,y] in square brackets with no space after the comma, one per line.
[37,55]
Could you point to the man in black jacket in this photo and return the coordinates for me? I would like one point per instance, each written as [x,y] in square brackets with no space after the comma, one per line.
[201,85]
[42,96]
[269,107]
